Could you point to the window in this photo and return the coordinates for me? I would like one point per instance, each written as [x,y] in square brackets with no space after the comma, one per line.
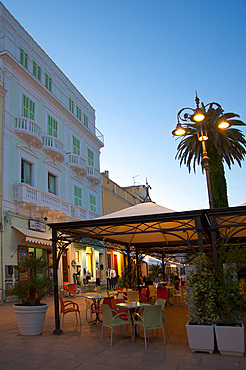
[28,107]
[77,196]
[90,156]
[26,172]
[24,58]
[36,70]
[71,105]
[93,207]
[85,120]
[48,82]
[76,146]
[52,126]
[51,183]
[78,113]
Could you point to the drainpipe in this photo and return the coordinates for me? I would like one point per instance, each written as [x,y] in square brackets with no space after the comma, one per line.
[3,91]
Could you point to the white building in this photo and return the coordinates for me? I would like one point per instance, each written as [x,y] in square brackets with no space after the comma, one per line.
[51,155]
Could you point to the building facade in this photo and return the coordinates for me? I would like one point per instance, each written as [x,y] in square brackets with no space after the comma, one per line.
[51,155]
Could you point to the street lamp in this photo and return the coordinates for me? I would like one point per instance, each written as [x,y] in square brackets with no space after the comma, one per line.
[198,116]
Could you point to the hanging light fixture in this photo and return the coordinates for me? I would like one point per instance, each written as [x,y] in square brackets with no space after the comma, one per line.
[179,130]
[223,124]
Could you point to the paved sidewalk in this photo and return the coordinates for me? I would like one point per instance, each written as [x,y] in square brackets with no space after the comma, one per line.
[75,350]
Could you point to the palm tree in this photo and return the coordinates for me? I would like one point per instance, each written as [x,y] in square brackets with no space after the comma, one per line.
[223,146]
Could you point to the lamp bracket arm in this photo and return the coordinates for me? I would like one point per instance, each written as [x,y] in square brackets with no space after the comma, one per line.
[184,116]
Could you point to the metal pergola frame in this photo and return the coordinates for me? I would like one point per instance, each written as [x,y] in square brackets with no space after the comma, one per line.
[170,233]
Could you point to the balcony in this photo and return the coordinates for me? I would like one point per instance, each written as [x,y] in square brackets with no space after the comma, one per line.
[28,131]
[80,213]
[77,163]
[53,147]
[33,199]
[93,175]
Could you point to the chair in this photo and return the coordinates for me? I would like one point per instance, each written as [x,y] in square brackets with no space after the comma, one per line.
[97,309]
[179,294]
[119,309]
[71,288]
[162,293]
[112,322]
[143,297]
[162,302]
[151,319]
[132,296]
[67,307]
[152,292]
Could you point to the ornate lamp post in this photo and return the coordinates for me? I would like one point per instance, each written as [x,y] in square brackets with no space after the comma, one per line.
[198,117]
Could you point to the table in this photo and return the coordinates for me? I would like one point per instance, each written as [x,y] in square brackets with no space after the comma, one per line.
[96,298]
[131,307]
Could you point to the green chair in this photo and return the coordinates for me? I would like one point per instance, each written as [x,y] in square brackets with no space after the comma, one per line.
[162,302]
[112,322]
[151,319]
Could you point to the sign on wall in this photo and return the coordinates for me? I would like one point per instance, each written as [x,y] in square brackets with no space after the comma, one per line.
[38,226]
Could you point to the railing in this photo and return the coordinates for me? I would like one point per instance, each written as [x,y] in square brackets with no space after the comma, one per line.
[79,213]
[77,160]
[28,126]
[28,194]
[92,171]
[51,142]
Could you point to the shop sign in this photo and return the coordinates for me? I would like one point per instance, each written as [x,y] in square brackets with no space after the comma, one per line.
[38,226]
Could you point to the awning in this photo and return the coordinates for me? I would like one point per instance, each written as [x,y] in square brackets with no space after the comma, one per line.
[35,236]
[96,244]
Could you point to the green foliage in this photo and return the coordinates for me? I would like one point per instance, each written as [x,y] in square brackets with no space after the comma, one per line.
[227,145]
[154,271]
[230,299]
[129,276]
[201,292]
[217,178]
[34,287]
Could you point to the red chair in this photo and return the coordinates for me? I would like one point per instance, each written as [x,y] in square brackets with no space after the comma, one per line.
[119,309]
[144,296]
[68,307]
[162,293]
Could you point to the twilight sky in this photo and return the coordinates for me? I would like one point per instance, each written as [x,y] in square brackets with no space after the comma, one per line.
[138,62]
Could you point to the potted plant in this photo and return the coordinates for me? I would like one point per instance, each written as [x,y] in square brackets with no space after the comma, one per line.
[201,295]
[229,328]
[31,288]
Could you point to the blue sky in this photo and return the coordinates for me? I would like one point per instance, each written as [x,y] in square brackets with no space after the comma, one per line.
[138,63]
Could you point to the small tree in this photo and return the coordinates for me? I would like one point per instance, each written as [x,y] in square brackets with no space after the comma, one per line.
[201,292]
[231,300]
[35,286]
[129,276]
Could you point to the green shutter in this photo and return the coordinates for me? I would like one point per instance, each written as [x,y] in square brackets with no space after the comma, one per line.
[92,203]
[90,156]
[77,196]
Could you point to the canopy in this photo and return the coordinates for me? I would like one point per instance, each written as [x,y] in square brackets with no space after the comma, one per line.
[35,236]
[152,228]
[147,228]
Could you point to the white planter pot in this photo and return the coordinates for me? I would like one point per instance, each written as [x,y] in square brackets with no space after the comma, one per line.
[200,337]
[30,319]
[230,340]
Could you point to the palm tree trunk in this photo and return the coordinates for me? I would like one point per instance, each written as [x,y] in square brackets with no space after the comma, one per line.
[217,178]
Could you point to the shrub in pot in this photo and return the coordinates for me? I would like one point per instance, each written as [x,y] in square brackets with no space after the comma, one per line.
[201,298]
[229,328]
[30,289]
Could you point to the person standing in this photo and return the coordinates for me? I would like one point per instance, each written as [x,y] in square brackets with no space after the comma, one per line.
[97,275]
[112,278]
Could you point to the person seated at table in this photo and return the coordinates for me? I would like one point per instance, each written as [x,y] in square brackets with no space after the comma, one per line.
[149,281]
[159,279]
